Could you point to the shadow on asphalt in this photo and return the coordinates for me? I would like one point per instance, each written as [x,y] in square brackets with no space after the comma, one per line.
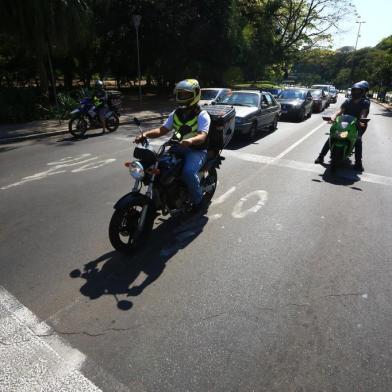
[384,113]
[344,176]
[240,142]
[116,274]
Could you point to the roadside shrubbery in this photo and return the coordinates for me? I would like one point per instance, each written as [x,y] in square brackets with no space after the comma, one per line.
[27,104]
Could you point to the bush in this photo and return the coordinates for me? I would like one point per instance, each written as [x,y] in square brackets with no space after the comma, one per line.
[19,104]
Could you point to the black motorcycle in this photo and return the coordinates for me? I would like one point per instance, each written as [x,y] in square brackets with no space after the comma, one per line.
[158,173]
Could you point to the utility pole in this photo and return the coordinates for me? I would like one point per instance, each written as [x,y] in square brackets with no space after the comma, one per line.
[360,22]
[136,21]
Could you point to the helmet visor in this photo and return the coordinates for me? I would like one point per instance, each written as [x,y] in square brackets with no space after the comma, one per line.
[184,95]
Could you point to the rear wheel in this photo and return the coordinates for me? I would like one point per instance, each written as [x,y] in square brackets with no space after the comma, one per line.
[124,234]
[209,183]
[112,123]
[77,126]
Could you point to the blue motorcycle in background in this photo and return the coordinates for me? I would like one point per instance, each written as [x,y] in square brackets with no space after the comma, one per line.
[86,117]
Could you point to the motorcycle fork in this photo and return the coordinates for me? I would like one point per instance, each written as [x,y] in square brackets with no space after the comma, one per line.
[146,206]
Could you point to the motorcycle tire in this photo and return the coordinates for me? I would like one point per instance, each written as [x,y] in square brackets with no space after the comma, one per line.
[210,180]
[123,228]
[337,156]
[112,123]
[77,127]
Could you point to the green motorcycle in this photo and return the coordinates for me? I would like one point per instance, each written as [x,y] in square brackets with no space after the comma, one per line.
[342,137]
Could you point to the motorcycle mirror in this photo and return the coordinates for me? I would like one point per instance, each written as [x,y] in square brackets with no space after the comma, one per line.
[365,120]
[325,118]
[136,121]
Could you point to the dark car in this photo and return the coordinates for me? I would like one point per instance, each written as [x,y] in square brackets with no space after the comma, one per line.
[319,100]
[254,111]
[334,94]
[296,103]
[274,91]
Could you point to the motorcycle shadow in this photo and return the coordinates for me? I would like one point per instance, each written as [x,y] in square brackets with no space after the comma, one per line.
[92,133]
[118,275]
[345,176]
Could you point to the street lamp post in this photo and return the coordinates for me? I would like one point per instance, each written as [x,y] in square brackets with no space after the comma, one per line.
[136,21]
[360,22]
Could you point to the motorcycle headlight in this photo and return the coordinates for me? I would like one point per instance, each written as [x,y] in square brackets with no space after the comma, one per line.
[343,135]
[136,170]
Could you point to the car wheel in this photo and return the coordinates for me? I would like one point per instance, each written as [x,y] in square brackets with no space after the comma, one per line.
[301,115]
[252,132]
[310,113]
[274,125]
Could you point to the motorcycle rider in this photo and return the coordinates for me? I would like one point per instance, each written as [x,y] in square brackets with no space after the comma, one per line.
[358,106]
[100,100]
[191,125]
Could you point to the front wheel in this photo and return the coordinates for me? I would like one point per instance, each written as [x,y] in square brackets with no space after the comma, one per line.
[337,156]
[124,232]
[209,184]
[77,127]
[112,123]
[274,125]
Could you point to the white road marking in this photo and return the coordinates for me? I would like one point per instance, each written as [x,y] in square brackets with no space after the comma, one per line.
[221,199]
[93,165]
[33,357]
[310,167]
[287,150]
[66,160]
[239,213]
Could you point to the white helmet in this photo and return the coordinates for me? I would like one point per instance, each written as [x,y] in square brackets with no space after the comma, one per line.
[187,92]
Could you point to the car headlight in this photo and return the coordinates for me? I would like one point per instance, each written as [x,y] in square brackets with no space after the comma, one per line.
[343,135]
[136,170]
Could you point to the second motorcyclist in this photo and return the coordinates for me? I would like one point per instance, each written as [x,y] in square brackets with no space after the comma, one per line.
[190,125]
[100,100]
[358,106]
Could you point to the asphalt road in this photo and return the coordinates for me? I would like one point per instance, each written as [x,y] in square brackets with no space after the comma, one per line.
[283,286]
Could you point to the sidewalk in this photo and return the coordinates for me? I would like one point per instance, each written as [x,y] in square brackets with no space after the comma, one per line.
[10,133]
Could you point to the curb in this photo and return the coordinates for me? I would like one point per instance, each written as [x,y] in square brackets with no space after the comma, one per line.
[382,104]
[43,135]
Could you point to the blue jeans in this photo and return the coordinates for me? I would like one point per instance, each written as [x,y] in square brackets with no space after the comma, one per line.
[193,162]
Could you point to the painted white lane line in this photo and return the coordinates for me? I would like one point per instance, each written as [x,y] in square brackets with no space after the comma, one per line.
[32,356]
[310,167]
[287,150]
[221,199]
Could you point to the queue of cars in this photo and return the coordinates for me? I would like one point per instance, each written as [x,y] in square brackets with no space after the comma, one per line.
[260,109]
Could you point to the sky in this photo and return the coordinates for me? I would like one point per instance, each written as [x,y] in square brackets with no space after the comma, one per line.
[378,17]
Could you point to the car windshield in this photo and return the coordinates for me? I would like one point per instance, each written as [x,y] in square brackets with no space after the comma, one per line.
[273,91]
[292,94]
[241,99]
[316,93]
[209,94]
[324,88]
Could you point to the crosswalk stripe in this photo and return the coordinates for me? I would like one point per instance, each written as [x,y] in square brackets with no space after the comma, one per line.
[32,356]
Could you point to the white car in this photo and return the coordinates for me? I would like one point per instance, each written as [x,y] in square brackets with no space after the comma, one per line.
[210,95]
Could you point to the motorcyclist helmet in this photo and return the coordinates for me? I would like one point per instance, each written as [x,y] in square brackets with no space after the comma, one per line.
[365,84]
[187,93]
[357,91]
[98,84]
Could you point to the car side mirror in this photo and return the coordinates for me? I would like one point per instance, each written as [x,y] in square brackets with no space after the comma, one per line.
[264,106]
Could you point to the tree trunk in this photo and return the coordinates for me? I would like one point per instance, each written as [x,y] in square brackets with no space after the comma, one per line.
[43,75]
